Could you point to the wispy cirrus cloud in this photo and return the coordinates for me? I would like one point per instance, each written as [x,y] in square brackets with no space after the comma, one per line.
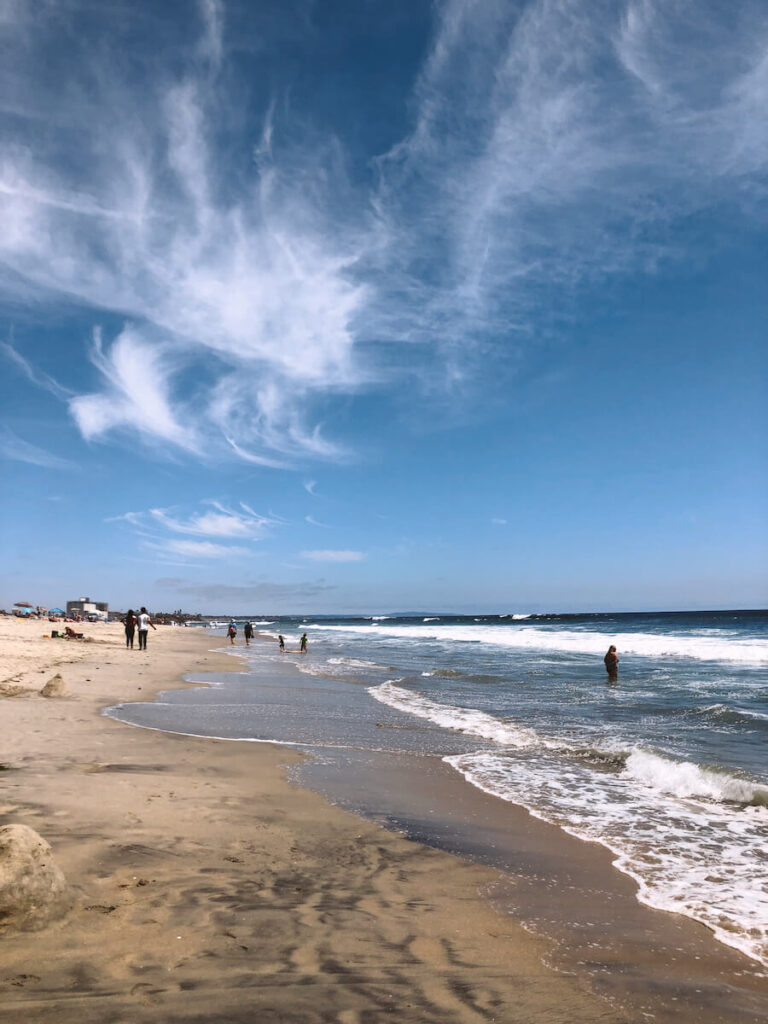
[199,549]
[245,595]
[315,522]
[221,521]
[15,448]
[552,144]
[136,393]
[251,282]
[36,376]
[555,142]
[334,556]
[158,530]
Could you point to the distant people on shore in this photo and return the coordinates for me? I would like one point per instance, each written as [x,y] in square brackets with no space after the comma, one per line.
[130,627]
[611,661]
[232,632]
[144,623]
[303,644]
[281,641]
[247,633]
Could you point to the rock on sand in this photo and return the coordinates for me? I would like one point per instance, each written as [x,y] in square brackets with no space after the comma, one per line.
[33,890]
[54,687]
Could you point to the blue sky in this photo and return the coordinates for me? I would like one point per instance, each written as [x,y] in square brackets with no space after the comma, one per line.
[367,306]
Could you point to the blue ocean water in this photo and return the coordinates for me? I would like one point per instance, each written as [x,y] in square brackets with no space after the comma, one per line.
[668,768]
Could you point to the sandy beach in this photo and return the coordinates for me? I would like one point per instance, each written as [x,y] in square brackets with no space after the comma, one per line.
[207,887]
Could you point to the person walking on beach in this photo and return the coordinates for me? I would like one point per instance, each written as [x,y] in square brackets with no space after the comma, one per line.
[281,641]
[247,633]
[611,660]
[303,644]
[130,627]
[144,623]
[232,632]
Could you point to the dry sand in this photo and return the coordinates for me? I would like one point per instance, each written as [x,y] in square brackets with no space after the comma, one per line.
[207,888]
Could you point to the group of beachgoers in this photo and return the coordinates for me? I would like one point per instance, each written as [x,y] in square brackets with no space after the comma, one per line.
[248,635]
[140,622]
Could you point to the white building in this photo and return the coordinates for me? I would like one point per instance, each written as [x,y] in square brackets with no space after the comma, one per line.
[84,607]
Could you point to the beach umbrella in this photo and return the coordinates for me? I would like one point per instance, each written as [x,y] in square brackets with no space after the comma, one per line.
[56,611]
[23,604]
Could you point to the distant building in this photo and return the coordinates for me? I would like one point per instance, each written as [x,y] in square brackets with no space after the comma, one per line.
[85,606]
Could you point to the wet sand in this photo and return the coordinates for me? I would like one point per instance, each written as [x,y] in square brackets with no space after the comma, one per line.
[209,888]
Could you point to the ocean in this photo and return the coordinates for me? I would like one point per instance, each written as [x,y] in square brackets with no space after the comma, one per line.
[667,767]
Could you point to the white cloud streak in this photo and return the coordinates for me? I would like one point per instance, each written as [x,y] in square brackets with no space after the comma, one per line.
[314,522]
[37,377]
[15,448]
[220,522]
[159,530]
[333,556]
[200,549]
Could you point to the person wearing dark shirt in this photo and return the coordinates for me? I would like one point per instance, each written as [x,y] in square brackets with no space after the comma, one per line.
[611,660]
[130,627]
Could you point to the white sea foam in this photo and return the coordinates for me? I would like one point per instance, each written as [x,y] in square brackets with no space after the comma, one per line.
[688,854]
[571,641]
[692,838]
[433,618]
[466,720]
[684,779]
[353,663]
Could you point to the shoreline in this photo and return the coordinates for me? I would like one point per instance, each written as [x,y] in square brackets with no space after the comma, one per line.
[209,888]
[368,880]
[559,886]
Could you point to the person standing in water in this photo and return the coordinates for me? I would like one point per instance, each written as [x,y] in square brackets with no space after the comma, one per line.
[303,644]
[281,641]
[232,632]
[611,661]
[144,623]
[247,633]
[130,627]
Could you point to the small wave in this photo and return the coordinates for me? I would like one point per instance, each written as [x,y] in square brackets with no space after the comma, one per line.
[465,720]
[685,779]
[433,618]
[571,641]
[704,860]
[724,713]
[354,663]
